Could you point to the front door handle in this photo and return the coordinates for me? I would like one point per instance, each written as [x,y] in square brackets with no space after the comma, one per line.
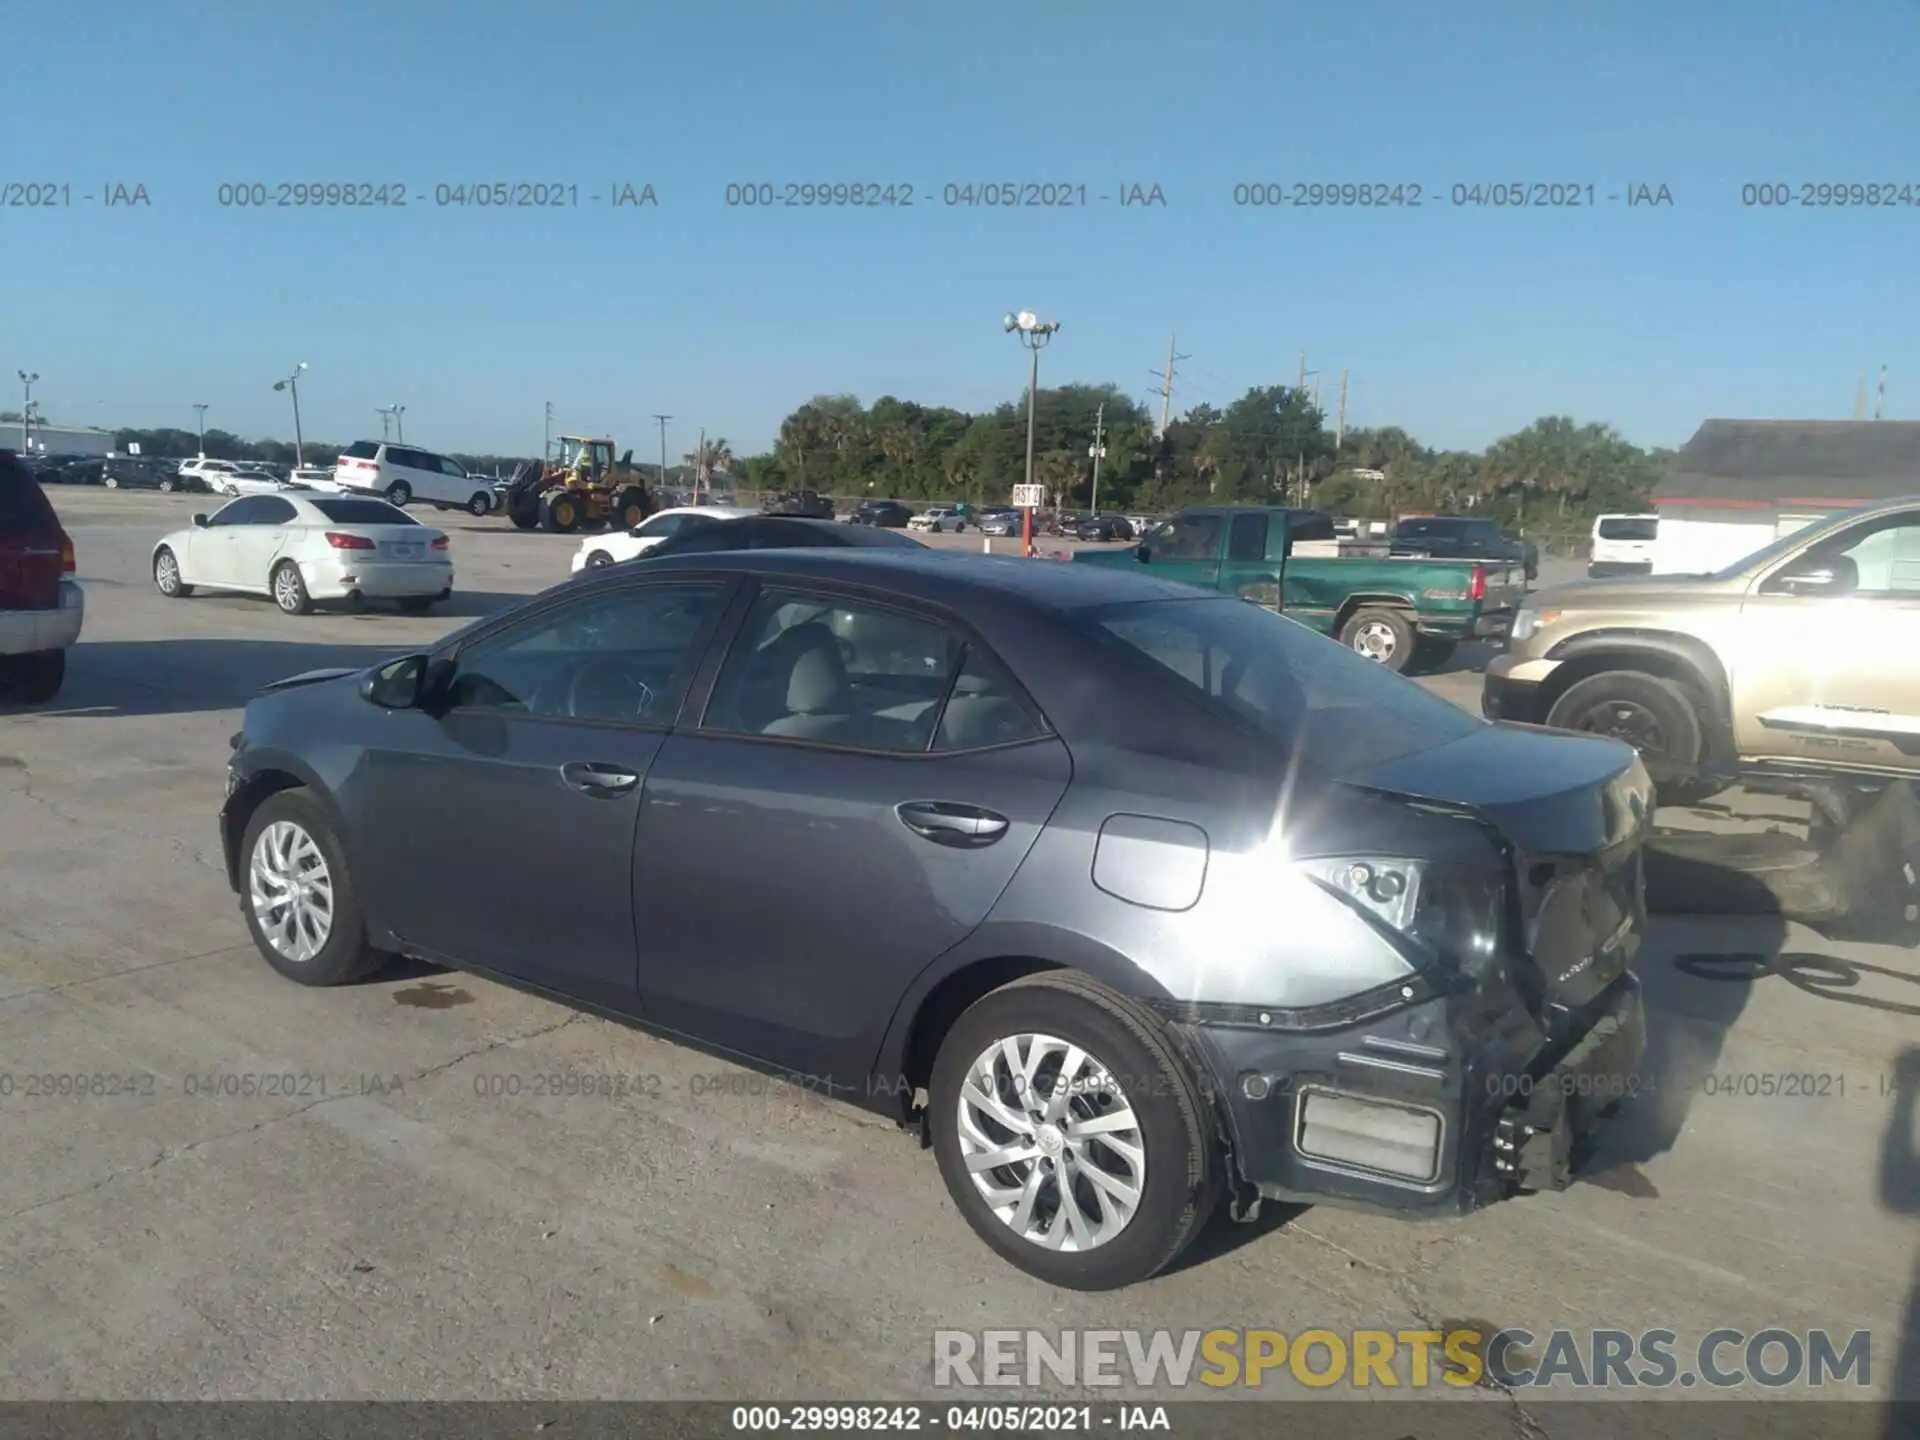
[964,827]
[601,781]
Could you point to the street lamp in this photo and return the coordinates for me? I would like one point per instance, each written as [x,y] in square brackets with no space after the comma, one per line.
[399,428]
[292,385]
[26,409]
[200,420]
[1034,333]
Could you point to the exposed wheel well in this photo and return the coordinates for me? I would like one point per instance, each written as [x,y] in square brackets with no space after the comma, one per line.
[945,1003]
[1355,603]
[239,810]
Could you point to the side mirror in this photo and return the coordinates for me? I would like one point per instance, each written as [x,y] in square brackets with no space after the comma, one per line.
[398,685]
[200,520]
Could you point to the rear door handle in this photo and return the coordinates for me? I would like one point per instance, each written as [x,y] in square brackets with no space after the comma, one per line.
[964,827]
[601,781]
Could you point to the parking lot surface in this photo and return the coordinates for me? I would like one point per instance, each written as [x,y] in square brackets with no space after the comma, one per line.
[416,1214]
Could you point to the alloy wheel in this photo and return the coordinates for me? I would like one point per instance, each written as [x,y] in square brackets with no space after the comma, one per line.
[1051,1142]
[1376,641]
[166,572]
[286,587]
[291,891]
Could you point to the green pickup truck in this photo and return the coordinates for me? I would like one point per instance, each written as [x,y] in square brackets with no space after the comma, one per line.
[1406,614]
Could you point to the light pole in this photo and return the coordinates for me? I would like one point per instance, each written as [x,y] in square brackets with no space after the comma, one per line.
[546,452]
[399,423]
[663,419]
[200,423]
[1098,450]
[292,385]
[1034,333]
[26,410]
[386,423]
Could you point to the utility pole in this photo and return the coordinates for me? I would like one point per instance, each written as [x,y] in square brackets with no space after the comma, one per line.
[700,465]
[400,424]
[1303,372]
[663,419]
[200,418]
[1098,451]
[1166,385]
[546,451]
[292,386]
[1880,397]
[1340,425]
[386,423]
[26,410]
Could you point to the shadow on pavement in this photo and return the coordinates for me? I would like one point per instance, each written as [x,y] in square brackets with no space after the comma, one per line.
[1900,1193]
[185,677]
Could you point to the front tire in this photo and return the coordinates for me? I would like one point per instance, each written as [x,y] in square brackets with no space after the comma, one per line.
[167,487]
[1650,713]
[166,576]
[290,590]
[399,493]
[1105,1174]
[597,559]
[559,513]
[480,504]
[1382,635]
[111,482]
[32,679]
[301,905]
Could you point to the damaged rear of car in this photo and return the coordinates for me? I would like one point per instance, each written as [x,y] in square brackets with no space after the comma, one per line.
[1407,981]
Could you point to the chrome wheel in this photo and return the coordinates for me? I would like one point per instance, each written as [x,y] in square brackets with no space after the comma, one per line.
[286,588]
[1376,641]
[166,573]
[291,891]
[1051,1142]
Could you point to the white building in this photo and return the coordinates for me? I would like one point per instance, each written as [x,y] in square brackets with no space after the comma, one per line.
[1739,484]
[55,439]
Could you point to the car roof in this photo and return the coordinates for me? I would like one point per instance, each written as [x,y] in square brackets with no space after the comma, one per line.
[944,577]
[719,512]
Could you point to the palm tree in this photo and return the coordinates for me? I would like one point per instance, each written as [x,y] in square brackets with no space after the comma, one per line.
[714,455]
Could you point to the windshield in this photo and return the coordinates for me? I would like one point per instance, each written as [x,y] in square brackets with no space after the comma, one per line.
[1628,527]
[1335,710]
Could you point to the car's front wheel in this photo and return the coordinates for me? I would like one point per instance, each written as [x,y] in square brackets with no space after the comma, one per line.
[1071,1135]
[399,493]
[481,503]
[302,908]
[1650,713]
[166,575]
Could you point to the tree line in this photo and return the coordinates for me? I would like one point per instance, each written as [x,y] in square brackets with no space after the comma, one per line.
[1270,446]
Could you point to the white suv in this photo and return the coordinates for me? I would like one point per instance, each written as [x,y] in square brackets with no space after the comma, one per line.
[401,474]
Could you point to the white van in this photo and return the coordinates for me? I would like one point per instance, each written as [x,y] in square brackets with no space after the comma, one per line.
[1623,545]
[401,474]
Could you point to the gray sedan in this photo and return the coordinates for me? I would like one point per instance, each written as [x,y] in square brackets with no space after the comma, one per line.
[1128,899]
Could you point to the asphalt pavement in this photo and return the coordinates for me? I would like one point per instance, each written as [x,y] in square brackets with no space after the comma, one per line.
[405,1217]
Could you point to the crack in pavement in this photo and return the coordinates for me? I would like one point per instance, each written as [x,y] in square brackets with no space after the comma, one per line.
[171,842]
[174,1152]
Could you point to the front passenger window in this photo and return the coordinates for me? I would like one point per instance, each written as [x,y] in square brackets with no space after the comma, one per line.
[622,657]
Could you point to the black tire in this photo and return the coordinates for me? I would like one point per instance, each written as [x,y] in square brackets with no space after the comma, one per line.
[1431,655]
[630,508]
[399,493]
[167,487]
[112,482]
[1650,713]
[1381,634]
[175,588]
[597,559]
[559,513]
[346,956]
[480,503]
[290,589]
[418,604]
[32,679]
[1184,1165]
[523,511]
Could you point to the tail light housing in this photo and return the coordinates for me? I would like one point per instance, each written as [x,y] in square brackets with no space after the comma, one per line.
[69,564]
[348,542]
[1477,586]
[440,542]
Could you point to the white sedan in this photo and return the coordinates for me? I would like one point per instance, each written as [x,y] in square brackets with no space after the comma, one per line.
[618,545]
[300,547]
[937,519]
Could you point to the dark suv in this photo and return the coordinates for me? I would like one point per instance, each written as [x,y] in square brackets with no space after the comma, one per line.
[807,504]
[41,606]
[140,472]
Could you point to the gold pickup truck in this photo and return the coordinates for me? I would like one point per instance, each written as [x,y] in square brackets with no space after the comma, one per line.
[1800,661]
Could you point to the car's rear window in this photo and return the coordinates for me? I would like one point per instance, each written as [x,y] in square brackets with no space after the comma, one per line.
[24,509]
[1629,527]
[1337,711]
[361,450]
[1419,529]
[362,512]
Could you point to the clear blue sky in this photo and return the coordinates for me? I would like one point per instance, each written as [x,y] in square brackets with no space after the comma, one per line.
[1460,324]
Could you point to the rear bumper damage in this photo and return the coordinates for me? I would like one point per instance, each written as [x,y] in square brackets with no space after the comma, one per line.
[1451,1103]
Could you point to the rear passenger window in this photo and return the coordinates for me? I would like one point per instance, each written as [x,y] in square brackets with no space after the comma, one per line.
[984,709]
[1247,540]
[24,509]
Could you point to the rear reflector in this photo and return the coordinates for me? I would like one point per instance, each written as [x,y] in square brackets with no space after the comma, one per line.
[1375,1135]
[69,564]
[349,542]
[1477,588]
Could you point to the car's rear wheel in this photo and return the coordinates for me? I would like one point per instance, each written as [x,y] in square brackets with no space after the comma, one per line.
[166,575]
[1382,635]
[481,503]
[290,590]
[631,506]
[298,895]
[597,559]
[112,482]
[1070,1134]
[32,679]
[1650,713]
[559,513]
[399,493]
[167,487]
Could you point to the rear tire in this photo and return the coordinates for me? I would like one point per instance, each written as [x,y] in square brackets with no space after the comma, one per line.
[1652,714]
[32,679]
[1176,1163]
[290,590]
[1381,635]
[399,493]
[481,503]
[167,487]
[300,829]
[597,559]
[111,482]
[631,507]
[559,513]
